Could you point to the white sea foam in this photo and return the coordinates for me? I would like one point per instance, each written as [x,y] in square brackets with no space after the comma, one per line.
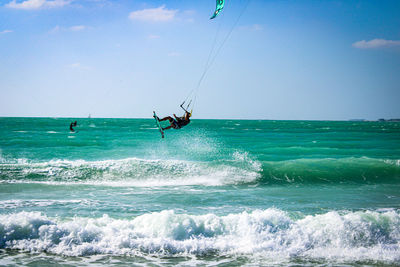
[134,172]
[268,234]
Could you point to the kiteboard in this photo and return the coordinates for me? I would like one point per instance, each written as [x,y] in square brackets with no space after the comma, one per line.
[158,124]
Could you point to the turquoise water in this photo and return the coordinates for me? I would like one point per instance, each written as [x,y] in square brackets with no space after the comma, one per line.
[228,192]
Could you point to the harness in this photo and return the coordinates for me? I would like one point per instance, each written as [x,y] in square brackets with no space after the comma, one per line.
[180,123]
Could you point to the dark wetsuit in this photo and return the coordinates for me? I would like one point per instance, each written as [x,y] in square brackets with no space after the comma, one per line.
[73,124]
[179,123]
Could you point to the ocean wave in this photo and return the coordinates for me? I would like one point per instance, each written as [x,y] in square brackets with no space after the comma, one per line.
[239,168]
[269,234]
[331,170]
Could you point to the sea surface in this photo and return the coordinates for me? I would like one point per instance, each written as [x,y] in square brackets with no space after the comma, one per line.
[217,192]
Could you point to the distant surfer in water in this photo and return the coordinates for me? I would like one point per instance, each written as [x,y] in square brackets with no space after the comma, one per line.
[73,124]
[178,122]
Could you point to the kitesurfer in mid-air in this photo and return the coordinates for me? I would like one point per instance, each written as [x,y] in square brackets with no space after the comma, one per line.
[73,124]
[178,122]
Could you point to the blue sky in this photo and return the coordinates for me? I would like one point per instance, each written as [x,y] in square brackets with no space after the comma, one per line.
[317,60]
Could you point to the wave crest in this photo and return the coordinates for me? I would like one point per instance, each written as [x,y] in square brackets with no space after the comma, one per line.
[331,170]
[270,233]
[134,171]
[237,168]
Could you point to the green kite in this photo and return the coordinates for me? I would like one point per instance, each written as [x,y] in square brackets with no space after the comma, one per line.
[220,6]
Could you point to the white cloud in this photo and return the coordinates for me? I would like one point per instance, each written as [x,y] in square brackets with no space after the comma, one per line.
[78,66]
[188,15]
[74,65]
[256,27]
[159,14]
[253,28]
[72,28]
[77,28]
[37,4]
[5,31]
[55,29]
[375,43]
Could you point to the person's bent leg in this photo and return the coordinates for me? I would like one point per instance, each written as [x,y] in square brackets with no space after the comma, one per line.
[167,128]
[166,118]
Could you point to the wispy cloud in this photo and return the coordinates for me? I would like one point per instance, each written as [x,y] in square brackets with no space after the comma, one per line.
[37,4]
[55,29]
[375,43]
[256,27]
[187,15]
[253,28]
[77,28]
[78,66]
[159,14]
[5,31]
[72,28]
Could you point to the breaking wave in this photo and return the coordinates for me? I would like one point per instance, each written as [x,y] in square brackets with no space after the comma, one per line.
[270,234]
[238,168]
[135,172]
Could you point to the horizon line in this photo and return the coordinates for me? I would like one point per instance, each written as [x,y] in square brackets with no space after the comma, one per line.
[65,117]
